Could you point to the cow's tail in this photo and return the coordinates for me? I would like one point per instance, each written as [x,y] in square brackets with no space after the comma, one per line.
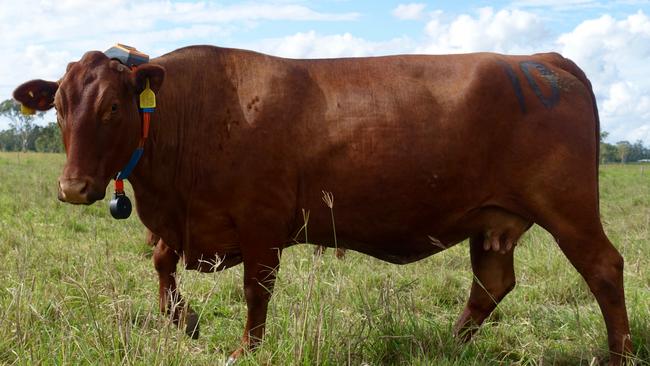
[570,67]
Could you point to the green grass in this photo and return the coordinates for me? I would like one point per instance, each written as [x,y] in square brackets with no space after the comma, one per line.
[78,287]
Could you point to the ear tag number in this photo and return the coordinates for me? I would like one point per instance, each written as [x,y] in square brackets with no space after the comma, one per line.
[26,110]
[147,98]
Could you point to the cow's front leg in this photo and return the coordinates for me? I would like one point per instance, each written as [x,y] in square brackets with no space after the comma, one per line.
[260,267]
[165,260]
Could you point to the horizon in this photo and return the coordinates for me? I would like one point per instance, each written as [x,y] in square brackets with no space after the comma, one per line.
[610,41]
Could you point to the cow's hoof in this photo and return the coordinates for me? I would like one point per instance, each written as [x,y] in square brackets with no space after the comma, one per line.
[235,356]
[230,361]
[465,327]
[192,325]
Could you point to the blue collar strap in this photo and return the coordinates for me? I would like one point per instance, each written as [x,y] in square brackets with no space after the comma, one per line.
[135,157]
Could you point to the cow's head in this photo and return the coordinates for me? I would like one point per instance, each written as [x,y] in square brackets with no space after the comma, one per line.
[97,110]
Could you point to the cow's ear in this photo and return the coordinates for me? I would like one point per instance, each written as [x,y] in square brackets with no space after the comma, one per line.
[37,94]
[155,74]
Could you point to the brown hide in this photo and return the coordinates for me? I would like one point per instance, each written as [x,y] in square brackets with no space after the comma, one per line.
[411,147]
[150,238]
[418,152]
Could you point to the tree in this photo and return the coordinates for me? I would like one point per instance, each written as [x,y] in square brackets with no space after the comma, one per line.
[20,123]
[637,151]
[9,140]
[608,153]
[49,139]
[603,136]
[605,148]
[624,148]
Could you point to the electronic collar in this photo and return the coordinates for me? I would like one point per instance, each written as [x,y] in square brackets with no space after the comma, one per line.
[120,205]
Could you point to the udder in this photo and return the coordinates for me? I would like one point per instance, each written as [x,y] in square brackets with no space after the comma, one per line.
[501,229]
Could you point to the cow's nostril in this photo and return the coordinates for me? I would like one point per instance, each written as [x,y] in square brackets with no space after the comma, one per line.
[84,188]
[74,190]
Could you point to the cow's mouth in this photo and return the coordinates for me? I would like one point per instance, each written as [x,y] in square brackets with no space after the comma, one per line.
[79,191]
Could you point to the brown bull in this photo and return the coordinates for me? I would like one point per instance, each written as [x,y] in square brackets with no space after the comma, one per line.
[419,153]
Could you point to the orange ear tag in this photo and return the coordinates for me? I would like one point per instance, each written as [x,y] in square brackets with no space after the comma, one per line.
[26,110]
[147,98]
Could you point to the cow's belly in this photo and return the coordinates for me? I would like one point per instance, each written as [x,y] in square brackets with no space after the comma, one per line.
[402,228]
[399,251]
[395,229]
[211,243]
[395,243]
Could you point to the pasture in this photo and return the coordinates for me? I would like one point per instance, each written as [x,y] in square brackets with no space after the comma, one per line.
[78,287]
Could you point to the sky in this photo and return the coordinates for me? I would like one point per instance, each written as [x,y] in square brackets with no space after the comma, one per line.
[609,40]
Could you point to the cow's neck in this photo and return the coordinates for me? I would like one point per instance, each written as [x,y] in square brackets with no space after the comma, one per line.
[161,179]
[156,181]
[175,152]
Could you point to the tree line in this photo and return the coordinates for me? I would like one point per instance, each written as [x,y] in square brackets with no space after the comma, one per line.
[36,138]
[24,135]
[622,151]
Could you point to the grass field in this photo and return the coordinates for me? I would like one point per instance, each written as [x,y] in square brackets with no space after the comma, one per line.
[79,288]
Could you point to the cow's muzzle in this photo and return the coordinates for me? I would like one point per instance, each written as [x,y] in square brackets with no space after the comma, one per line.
[79,191]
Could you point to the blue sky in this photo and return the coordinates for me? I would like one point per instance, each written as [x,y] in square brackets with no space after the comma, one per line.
[610,40]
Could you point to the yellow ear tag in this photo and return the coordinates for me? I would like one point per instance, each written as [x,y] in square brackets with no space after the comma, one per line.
[26,110]
[147,98]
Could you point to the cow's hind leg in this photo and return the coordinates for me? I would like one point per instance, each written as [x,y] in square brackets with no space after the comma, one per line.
[170,300]
[601,265]
[494,277]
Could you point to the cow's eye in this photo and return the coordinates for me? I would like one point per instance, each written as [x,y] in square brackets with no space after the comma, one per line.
[114,108]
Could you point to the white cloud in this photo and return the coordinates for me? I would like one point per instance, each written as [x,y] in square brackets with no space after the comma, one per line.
[412,11]
[507,31]
[613,51]
[39,37]
[558,4]
[248,11]
[626,97]
[313,45]
[80,20]
[615,54]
